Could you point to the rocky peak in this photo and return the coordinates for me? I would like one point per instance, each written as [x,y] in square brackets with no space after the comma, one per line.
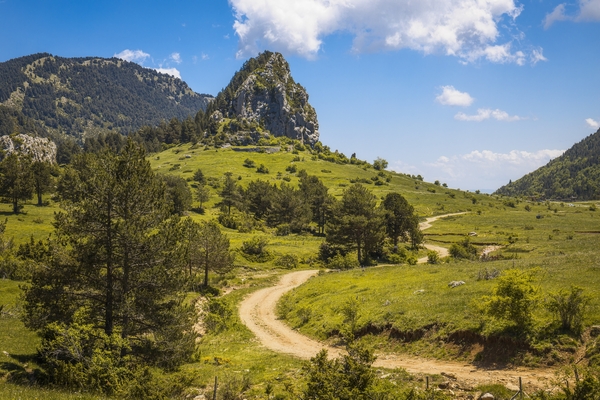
[263,92]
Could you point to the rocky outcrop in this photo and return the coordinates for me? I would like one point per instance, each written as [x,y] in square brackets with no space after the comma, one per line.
[265,93]
[40,149]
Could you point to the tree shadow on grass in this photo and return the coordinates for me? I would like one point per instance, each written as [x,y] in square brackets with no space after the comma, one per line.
[19,372]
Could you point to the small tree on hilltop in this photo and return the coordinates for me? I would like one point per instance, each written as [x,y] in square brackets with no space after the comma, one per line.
[380,164]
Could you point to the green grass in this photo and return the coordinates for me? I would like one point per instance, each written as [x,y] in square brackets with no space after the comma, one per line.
[558,242]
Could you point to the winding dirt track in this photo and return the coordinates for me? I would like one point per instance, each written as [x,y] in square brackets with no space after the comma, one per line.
[257,312]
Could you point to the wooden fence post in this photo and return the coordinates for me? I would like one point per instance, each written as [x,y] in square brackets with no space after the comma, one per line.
[215,391]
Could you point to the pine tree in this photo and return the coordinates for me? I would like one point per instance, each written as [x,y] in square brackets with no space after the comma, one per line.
[16,179]
[116,263]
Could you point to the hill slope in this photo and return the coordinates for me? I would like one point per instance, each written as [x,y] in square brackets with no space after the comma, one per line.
[574,175]
[88,95]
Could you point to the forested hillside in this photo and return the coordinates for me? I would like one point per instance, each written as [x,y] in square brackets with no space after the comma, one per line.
[574,175]
[79,96]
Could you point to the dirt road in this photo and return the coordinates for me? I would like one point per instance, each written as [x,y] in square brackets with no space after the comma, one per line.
[257,312]
[442,251]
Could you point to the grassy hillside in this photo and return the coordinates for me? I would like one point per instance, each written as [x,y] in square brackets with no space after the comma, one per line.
[561,239]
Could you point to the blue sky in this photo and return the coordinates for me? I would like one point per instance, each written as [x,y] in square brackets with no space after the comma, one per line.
[470,92]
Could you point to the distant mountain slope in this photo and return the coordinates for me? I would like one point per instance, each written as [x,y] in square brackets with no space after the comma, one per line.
[263,96]
[574,175]
[89,95]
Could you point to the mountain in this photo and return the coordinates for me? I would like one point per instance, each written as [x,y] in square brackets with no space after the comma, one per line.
[79,96]
[263,96]
[573,175]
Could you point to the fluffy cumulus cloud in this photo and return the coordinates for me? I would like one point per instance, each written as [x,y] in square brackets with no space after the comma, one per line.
[486,169]
[169,71]
[452,97]
[468,29]
[592,123]
[586,10]
[486,113]
[137,56]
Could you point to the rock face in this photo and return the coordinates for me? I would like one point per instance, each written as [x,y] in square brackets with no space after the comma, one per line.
[40,149]
[263,92]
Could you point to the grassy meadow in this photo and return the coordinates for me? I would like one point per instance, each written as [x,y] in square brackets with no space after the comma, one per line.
[561,239]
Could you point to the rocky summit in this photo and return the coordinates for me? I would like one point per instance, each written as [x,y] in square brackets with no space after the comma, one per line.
[263,93]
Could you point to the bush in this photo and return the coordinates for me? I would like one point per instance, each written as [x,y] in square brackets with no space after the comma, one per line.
[339,261]
[262,169]
[433,257]
[569,307]
[216,315]
[288,261]
[514,298]
[255,246]
[463,249]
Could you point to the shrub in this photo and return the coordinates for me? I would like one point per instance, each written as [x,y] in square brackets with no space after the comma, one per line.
[569,307]
[463,249]
[262,169]
[289,261]
[514,298]
[216,315]
[339,261]
[248,163]
[433,257]
[255,246]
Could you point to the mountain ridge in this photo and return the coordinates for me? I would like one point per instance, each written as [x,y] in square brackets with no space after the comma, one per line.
[575,175]
[88,95]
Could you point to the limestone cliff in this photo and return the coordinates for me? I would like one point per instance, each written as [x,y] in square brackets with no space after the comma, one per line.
[40,149]
[263,92]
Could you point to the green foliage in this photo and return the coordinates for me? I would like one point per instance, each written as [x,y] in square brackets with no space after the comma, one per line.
[575,174]
[380,164]
[433,257]
[116,267]
[179,194]
[347,378]
[463,249]
[357,223]
[513,299]
[82,356]
[401,221]
[16,179]
[287,261]
[216,315]
[343,262]
[206,249]
[248,163]
[261,169]
[569,307]
[77,95]
[255,246]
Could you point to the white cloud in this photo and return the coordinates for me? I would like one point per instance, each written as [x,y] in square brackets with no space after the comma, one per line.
[452,97]
[486,113]
[175,57]
[169,71]
[137,56]
[537,55]
[588,10]
[468,29]
[592,123]
[486,169]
